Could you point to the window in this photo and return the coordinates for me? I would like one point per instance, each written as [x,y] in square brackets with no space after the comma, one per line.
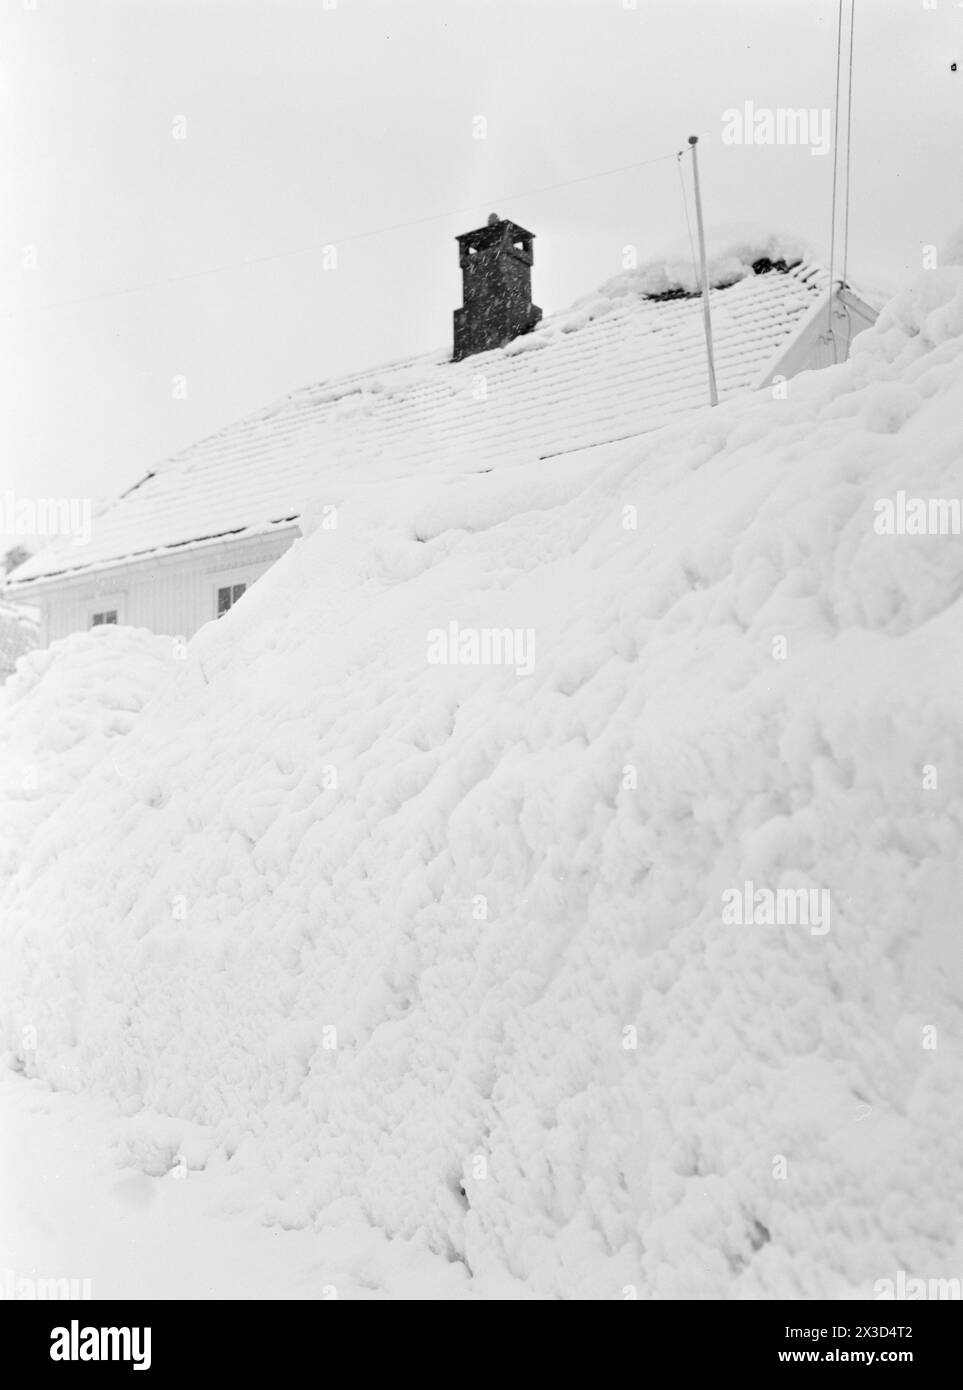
[228,596]
[100,618]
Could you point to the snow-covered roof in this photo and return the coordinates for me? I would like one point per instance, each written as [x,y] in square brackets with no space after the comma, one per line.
[619,363]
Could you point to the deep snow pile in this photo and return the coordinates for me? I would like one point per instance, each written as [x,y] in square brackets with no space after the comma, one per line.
[442,946]
[731,253]
[18,635]
[60,713]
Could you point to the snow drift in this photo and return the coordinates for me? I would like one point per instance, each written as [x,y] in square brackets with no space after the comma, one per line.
[18,635]
[442,946]
[732,252]
[59,714]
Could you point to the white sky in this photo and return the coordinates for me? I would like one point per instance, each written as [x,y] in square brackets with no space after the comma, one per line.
[307,125]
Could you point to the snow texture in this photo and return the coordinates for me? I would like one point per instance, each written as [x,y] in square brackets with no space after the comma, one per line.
[731,253]
[60,713]
[440,948]
[18,635]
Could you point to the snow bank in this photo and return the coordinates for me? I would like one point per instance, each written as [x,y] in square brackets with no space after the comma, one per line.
[731,253]
[60,714]
[951,252]
[18,635]
[442,947]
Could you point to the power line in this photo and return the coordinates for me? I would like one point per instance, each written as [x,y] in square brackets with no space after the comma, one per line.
[342,241]
[849,128]
[832,215]
[685,207]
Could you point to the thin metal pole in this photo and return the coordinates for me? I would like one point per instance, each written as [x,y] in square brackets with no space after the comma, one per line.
[713,393]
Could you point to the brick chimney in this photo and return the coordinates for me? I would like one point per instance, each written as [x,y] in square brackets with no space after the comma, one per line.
[496,268]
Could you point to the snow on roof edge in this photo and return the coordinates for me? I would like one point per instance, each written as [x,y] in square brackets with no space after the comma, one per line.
[731,248]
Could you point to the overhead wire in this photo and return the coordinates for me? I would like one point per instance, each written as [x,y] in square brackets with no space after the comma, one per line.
[685,208]
[849,137]
[832,231]
[323,246]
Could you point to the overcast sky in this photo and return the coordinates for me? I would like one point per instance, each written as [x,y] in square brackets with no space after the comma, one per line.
[305,126]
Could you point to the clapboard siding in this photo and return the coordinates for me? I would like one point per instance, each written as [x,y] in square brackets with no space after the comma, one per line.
[173,594]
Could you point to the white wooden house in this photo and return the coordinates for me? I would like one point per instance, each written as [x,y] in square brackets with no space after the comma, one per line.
[173,590]
[183,545]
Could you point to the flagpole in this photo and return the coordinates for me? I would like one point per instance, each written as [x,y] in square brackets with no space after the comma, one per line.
[707,317]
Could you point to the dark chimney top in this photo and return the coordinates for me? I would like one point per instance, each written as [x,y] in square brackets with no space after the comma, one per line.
[496,266]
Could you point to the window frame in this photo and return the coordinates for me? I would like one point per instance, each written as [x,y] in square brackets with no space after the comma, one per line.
[103,603]
[230,583]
